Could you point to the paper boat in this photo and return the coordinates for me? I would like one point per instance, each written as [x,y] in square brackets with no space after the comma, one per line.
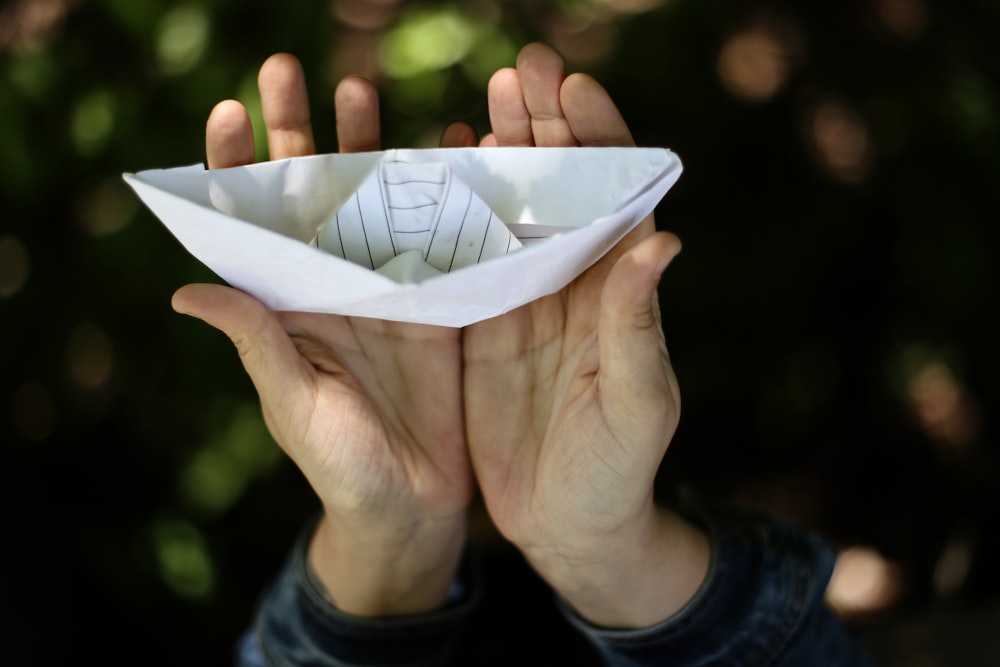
[258,226]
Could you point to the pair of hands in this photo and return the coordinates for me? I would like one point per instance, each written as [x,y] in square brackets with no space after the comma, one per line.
[560,410]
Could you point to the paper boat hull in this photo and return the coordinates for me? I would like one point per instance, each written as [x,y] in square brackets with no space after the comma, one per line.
[251,225]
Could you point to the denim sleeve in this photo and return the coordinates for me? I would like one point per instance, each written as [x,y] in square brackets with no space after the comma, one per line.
[296,627]
[761,604]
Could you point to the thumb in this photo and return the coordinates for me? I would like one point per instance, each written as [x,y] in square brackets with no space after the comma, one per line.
[635,368]
[268,354]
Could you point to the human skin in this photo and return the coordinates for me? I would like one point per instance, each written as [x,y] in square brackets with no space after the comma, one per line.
[563,408]
[571,400]
[347,398]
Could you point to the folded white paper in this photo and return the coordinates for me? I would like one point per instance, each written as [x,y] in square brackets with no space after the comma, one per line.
[413,221]
[437,236]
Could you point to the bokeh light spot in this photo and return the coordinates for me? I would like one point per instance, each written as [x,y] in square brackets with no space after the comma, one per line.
[416,94]
[943,408]
[863,582]
[34,73]
[210,483]
[354,54]
[755,62]
[426,41]
[184,562]
[583,41]
[33,412]
[15,265]
[954,564]
[904,18]
[975,101]
[365,14]
[840,141]
[221,470]
[183,36]
[630,6]
[93,121]
[492,51]
[90,355]
[27,24]
[107,209]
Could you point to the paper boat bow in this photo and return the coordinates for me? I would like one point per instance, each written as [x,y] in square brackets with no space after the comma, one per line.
[443,229]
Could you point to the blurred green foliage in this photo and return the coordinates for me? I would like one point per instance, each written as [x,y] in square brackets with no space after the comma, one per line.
[839,210]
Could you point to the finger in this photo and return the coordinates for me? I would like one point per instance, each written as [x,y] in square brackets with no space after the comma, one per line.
[285,104]
[596,121]
[591,114]
[634,365]
[542,72]
[268,354]
[356,104]
[508,114]
[458,135]
[488,141]
[228,136]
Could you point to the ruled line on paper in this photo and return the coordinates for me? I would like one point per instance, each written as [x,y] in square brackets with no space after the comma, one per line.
[439,215]
[414,207]
[486,233]
[364,230]
[461,226]
[406,181]
[430,241]
[388,222]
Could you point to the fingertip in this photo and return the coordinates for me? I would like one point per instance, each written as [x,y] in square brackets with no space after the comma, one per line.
[197,298]
[537,53]
[357,110]
[264,347]
[278,68]
[355,90]
[227,112]
[635,276]
[633,351]
[179,301]
[458,135]
[501,77]
[284,101]
[219,305]
[577,86]
[592,114]
[509,115]
[657,252]
[503,91]
[489,141]
[228,136]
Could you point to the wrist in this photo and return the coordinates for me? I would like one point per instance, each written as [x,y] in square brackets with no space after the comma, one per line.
[637,578]
[377,570]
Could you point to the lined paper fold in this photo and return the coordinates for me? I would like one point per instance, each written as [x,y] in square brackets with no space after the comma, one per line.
[421,209]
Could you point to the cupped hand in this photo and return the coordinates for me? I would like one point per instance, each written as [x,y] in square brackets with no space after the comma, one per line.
[571,400]
[370,411]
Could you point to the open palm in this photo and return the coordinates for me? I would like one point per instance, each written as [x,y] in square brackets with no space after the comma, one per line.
[570,400]
[370,411]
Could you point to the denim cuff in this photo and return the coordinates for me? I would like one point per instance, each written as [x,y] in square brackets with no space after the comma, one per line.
[761,604]
[297,626]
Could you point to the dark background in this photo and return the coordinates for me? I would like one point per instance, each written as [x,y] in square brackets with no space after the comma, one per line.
[833,317]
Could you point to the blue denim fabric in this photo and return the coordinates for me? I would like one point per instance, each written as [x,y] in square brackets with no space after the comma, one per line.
[297,627]
[762,604]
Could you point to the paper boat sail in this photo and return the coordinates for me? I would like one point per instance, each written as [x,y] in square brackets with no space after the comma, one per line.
[415,221]
[446,225]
